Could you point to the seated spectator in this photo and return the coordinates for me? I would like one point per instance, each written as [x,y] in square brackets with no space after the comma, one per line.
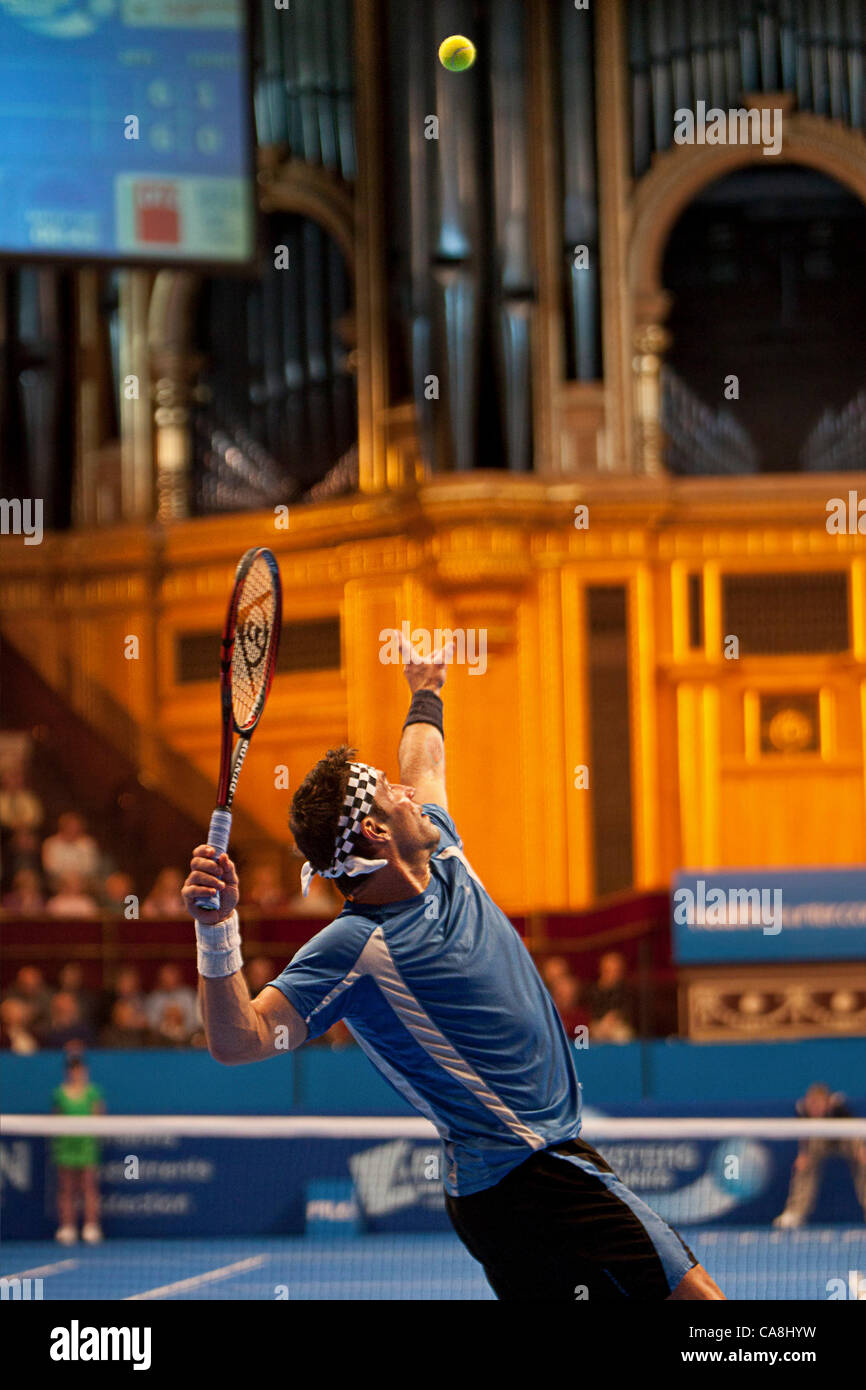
[321,901]
[72,898]
[29,986]
[611,1002]
[26,898]
[171,1028]
[265,889]
[116,890]
[70,980]
[23,852]
[170,989]
[16,1034]
[259,972]
[128,1027]
[126,987]
[565,991]
[66,1027]
[553,968]
[164,898]
[70,850]
[20,808]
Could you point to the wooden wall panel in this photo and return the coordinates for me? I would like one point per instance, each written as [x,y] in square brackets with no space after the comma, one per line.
[501,555]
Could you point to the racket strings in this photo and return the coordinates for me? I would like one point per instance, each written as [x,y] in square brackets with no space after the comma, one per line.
[253,638]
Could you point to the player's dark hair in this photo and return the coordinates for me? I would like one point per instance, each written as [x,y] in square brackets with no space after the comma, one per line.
[316,808]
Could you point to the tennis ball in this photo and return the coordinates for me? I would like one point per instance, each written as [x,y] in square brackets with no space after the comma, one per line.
[457,53]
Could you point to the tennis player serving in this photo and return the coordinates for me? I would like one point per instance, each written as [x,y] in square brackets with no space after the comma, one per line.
[441,994]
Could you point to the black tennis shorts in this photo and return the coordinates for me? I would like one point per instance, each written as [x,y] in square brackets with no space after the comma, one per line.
[562,1227]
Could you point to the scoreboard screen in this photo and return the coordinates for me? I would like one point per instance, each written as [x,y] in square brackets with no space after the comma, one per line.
[126,131]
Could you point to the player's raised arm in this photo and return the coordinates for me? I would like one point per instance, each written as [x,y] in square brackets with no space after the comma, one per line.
[422,746]
[237,1028]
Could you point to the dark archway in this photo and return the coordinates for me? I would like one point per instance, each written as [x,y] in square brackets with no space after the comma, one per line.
[766,272]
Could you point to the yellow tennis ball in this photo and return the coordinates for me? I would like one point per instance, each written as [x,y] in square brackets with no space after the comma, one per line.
[457,53]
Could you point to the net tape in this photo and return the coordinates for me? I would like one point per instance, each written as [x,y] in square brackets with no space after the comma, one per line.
[412,1127]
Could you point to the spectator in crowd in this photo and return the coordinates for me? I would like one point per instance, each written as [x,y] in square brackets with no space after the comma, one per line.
[23,852]
[70,850]
[71,981]
[77,1157]
[611,1002]
[164,898]
[266,890]
[66,1027]
[29,986]
[20,808]
[170,989]
[553,968]
[565,991]
[259,971]
[16,1034]
[116,890]
[127,1027]
[172,1028]
[319,902]
[126,986]
[25,898]
[820,1103]
[72,898]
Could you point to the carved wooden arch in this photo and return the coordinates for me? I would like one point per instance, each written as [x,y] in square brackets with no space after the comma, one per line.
[291,186]
[310,191]
[676,178]
[679,174]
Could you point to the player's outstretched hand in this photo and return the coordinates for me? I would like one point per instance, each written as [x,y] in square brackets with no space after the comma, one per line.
[425,674]
[214,873]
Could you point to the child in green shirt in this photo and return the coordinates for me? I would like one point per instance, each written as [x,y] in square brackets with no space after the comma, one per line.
[77,1157]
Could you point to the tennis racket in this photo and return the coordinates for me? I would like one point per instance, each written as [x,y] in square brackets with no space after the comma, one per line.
[248,656]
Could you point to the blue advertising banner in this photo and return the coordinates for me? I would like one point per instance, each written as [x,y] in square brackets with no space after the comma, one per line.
[165,1185]
[170,1187]
[769,915]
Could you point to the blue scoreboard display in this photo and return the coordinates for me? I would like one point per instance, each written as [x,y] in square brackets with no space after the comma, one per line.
[126,131]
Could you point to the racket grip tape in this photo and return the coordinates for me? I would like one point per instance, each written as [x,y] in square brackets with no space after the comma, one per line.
[218,834]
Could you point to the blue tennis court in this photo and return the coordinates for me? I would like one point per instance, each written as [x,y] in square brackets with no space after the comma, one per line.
[752,1264]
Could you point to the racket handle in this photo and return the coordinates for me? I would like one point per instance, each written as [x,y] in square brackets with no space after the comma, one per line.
[218,834]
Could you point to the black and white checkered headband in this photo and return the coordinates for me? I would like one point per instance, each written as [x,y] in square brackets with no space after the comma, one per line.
[357,803]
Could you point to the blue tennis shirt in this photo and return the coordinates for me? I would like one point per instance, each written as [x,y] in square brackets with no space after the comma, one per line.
[443,997]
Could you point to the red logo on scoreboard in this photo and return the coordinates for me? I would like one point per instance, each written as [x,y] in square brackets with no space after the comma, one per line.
[157,215]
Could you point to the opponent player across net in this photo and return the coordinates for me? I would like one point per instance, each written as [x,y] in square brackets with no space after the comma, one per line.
[441,994]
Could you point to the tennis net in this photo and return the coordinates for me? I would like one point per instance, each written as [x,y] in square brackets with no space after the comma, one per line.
[222,1207]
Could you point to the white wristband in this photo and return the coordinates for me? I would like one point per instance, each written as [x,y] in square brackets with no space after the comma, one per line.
[219,948]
